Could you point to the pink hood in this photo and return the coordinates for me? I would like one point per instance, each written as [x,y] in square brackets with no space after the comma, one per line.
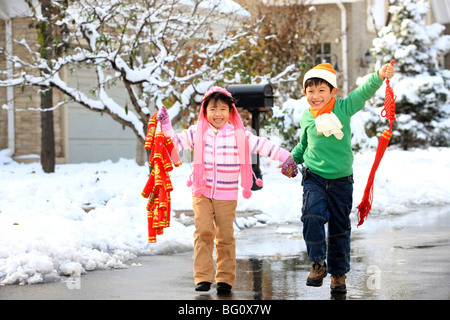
[242,143]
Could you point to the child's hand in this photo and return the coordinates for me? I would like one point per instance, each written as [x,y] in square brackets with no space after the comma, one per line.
[387,71]
[163,116]
[289,167]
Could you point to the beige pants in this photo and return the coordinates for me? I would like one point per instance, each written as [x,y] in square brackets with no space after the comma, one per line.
[214,219]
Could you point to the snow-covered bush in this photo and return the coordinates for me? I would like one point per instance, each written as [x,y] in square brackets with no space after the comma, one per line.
[421,87]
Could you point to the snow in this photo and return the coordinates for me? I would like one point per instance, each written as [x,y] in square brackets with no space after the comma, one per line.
[91,216]
[225,6]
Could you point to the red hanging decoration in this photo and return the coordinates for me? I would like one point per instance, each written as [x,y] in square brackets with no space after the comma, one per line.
[388,112]
[159,186]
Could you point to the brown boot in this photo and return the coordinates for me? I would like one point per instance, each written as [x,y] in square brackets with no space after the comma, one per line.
[338,284]
[317,274]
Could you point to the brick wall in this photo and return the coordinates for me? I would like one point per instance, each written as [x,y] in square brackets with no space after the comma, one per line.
[27,120]
[359,38]
[3,113]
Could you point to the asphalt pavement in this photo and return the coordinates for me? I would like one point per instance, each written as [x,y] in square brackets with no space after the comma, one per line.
[405,258]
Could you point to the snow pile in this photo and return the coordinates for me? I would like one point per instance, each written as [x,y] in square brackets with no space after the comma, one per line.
[91,216]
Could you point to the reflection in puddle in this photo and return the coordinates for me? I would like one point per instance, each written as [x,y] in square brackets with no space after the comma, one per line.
[406,258]
[274,265]
[268,278]
[271,278]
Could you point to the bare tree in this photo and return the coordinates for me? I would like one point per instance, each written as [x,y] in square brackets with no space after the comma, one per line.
[288,35]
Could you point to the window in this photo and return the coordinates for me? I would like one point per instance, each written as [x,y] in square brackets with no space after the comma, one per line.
[324,53]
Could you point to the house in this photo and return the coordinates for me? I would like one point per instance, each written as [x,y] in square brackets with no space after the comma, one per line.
[80,135]
[348,28]
[84,136]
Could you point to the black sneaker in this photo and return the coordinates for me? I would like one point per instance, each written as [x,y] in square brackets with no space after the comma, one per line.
[223,288]
[203,286]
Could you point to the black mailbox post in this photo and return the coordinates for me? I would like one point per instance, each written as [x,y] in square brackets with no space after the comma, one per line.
[257,99]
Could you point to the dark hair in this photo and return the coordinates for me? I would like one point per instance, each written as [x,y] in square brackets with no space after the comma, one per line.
[218,96]
[316,82]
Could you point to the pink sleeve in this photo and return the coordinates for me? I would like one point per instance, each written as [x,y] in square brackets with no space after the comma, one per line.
[266,148]
[183,140]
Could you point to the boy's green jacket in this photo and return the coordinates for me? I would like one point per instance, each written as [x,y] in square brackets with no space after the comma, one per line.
[329,157]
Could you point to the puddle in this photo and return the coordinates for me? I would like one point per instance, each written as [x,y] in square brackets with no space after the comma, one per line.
[407,259]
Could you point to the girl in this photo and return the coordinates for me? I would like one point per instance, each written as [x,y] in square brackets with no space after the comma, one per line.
[221,153]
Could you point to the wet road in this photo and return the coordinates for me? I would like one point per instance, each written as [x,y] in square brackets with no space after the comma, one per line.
[393,257]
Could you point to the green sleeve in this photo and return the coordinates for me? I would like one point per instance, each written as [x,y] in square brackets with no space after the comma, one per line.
[356,99]
[299,150]
[297,153]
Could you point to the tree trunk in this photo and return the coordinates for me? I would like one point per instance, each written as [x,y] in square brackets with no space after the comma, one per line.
[48,134]
[141,154]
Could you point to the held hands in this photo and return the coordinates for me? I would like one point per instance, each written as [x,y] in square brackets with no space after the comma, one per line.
[289,168]
[386,71]
[163,116]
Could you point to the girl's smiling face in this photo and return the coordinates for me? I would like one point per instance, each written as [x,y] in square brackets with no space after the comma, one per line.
[217,113]
[319,95]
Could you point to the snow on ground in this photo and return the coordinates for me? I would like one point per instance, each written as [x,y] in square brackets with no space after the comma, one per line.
[46,233]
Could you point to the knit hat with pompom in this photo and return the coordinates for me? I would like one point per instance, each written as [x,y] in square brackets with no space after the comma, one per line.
[323,71]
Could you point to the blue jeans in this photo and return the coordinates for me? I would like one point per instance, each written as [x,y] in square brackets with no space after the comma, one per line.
[327,201]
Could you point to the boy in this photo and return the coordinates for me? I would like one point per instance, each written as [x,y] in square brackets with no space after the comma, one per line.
[325,150]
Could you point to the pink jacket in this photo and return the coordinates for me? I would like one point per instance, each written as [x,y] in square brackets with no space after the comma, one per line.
[221,159]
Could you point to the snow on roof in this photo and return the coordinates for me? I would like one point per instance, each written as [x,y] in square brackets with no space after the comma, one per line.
[19,8]
[225,6]
[311,2]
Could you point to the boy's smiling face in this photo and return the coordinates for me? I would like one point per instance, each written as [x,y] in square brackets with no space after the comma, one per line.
[217,113]
[319,95]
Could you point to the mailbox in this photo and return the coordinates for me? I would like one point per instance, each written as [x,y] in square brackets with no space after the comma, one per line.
[252,97]
[256,99]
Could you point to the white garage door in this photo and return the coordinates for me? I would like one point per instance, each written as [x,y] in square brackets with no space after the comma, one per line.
[95,137]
